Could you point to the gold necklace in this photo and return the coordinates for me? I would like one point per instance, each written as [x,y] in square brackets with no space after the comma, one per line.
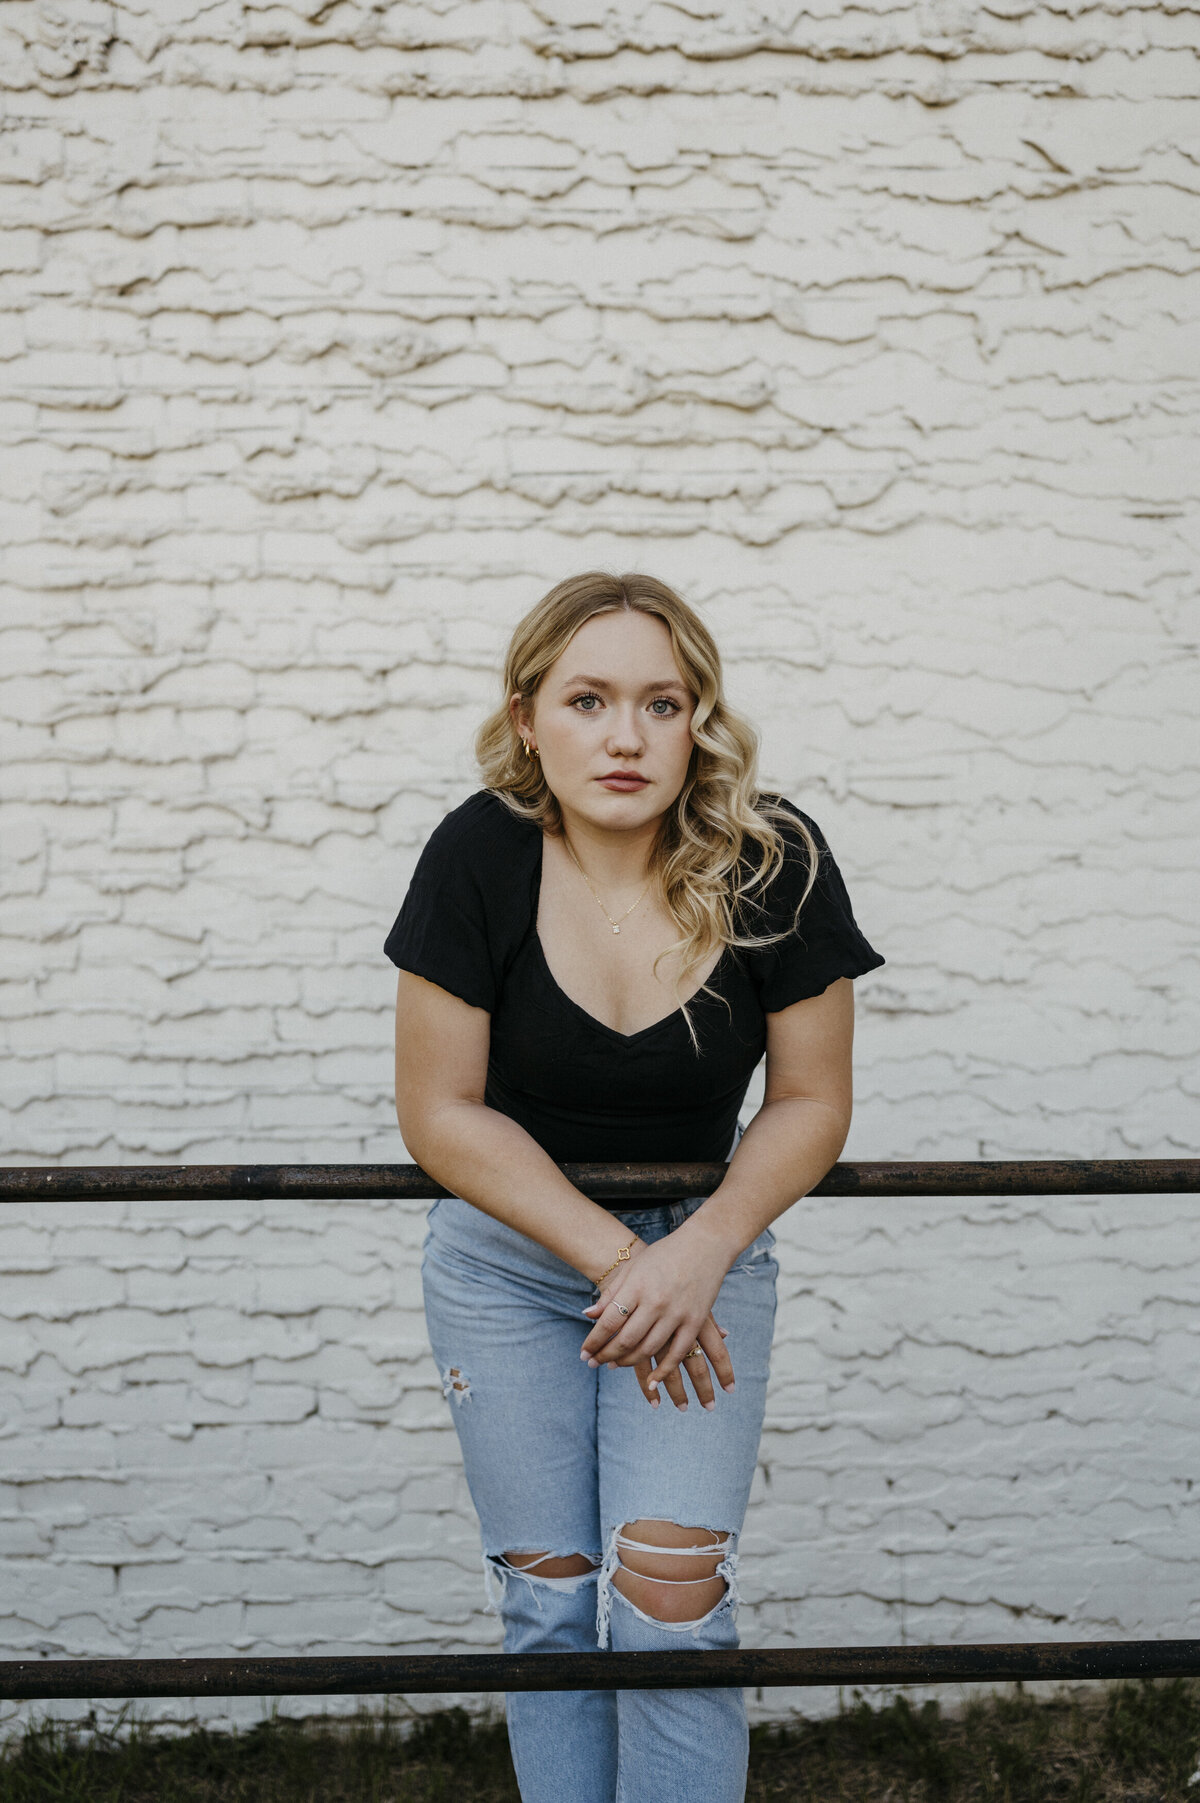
[614,924]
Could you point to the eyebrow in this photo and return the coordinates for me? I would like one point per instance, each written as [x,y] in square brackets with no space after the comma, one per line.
[598,682]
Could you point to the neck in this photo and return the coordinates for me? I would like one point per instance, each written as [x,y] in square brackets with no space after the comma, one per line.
[613,860]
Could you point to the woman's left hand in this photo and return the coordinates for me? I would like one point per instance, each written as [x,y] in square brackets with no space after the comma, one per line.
[668,1292]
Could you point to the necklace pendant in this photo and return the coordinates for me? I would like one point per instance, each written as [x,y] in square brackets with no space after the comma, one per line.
[616,929]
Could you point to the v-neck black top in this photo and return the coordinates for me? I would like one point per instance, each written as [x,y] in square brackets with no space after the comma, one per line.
[582,1090]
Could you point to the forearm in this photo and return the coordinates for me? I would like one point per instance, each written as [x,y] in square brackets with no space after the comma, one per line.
[785,1151]
[492,1162]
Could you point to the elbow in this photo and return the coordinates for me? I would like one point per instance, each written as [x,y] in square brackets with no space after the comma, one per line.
[415,1126]
[822,1121]
[429,1129]
[839,1113]
[412,1113]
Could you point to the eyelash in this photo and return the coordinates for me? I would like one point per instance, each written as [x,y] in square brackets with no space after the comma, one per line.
[592,696]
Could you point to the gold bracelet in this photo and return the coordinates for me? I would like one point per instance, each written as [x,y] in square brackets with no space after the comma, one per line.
[622,1258]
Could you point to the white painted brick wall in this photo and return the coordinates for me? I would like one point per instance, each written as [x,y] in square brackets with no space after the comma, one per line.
[331,338]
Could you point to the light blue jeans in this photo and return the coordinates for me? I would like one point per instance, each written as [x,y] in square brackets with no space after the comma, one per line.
[558,1458]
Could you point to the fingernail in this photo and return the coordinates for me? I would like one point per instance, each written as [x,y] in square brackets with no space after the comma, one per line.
[593,1364]
[683,1408]
[728,1386]
[654,1383]
[583,1355]
[654,1402]
[710,1405]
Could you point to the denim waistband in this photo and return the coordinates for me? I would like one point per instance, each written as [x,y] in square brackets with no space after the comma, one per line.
[637,1214]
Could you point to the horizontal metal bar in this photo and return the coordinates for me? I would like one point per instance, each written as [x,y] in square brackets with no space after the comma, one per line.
[604,1182]
[421,1673]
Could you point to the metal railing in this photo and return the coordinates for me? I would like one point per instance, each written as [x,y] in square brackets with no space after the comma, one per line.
[423,1673]
[603,1182]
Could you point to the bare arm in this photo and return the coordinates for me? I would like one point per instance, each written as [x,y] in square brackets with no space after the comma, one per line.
[802,1125]
[478,1153]
[787,1148]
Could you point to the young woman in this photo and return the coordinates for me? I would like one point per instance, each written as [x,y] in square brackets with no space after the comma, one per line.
[594,952]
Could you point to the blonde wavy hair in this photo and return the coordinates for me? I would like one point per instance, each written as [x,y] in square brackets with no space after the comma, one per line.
[719,846]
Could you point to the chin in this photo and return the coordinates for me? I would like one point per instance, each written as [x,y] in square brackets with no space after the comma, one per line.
[601,804]
[628,810]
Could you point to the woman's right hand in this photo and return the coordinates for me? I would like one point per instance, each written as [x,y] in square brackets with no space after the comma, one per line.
[668,1290]
[711,1338]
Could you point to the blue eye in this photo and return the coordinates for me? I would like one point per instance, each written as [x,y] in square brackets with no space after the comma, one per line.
[672,705]
[589,697]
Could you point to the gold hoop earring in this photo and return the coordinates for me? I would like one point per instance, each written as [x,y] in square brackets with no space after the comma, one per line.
[530,751]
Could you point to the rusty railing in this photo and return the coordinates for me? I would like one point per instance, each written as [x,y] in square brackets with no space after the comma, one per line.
[414,1674]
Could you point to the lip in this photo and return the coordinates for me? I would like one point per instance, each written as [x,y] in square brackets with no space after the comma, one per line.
[623,780]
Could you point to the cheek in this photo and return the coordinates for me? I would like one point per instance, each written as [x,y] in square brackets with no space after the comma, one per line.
[673,755]
[684,744]
[567,738]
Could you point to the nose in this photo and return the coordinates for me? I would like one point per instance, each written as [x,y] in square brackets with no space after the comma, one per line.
[624,733]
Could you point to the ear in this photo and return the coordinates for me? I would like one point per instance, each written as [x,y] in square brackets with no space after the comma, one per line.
[518,714]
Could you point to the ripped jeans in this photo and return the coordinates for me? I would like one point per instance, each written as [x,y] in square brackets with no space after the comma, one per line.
[559,1460]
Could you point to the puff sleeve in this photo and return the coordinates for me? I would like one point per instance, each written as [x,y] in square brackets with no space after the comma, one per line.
[446,929]
[824,943]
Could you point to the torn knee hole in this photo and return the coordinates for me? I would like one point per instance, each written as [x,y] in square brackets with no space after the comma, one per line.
[675,1574]
[541,1573]
[671,1551]
[455,1383]
[551,1565]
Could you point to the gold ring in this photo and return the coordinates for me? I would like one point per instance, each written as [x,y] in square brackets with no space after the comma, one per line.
[696,1352]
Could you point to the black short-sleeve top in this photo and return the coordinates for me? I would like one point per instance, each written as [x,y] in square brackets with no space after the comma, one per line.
[582,1090]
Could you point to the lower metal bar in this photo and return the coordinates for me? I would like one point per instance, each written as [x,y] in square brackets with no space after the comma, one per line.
[603,1182]
[421,1673]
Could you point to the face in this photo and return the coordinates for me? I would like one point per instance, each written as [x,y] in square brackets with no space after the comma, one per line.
[611,722]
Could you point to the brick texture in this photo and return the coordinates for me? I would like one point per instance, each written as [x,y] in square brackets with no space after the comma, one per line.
[331,337]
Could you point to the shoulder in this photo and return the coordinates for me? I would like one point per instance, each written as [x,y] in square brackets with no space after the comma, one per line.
[808,878]
[817,938]
[794,827]
[479,830]
[773,803]
[467,905]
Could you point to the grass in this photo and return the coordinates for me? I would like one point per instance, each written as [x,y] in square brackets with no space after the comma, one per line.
[1129,1743]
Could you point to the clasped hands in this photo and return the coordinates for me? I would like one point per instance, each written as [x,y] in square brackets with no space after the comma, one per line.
[668,1289]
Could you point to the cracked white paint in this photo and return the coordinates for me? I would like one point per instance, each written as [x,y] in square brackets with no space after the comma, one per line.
[331,337]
